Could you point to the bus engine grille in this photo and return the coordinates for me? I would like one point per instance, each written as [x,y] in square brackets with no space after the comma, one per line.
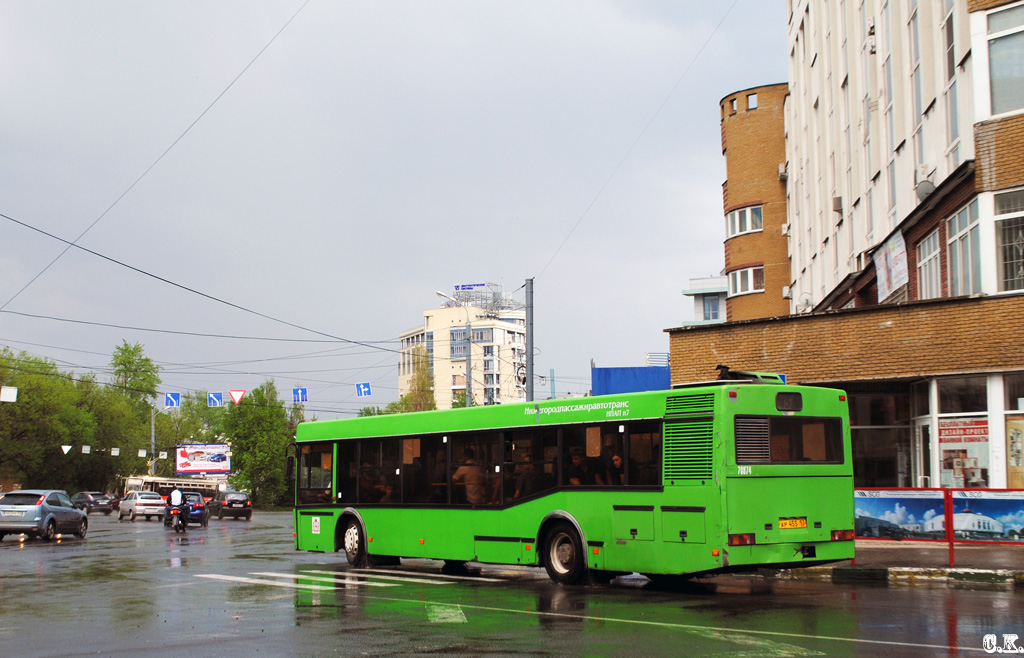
[752,441]
[688,449]
[690,404]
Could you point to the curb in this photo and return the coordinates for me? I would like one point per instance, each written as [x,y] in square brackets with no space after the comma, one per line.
[904,575]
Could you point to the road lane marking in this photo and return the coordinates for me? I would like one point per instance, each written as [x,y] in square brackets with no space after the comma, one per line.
[257,581]
[446,614]
[344,580]
[477,579]
[403,579]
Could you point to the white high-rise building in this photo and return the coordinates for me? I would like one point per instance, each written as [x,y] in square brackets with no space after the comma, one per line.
[498,357]
[890,100]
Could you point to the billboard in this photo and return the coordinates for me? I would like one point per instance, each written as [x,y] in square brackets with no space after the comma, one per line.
[197,458]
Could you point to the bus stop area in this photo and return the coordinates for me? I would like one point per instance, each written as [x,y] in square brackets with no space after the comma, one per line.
[921,562]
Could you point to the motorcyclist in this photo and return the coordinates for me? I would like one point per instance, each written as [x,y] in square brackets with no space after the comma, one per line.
[176,500]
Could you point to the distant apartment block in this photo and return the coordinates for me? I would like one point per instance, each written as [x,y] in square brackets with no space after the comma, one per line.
[496,336]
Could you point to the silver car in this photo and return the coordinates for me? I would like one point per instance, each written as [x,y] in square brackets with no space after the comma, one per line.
[40,513]
[141,503]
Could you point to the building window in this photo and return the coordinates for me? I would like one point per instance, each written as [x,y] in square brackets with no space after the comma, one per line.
[710,307]
[749,280]
[962,395]
[488,350]
[1006,59]
[751,101]
[732,105]
[953,115]
[744,220]
[1009,210]
[928,279]
[964,251]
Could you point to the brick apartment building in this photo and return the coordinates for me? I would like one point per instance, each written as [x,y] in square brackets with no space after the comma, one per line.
[903,178]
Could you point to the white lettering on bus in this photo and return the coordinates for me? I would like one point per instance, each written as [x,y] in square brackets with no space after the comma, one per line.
[613,409]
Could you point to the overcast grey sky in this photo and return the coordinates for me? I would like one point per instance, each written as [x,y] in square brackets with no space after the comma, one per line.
[373,153]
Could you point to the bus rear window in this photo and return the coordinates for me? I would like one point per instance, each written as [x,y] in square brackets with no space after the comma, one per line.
[788,440]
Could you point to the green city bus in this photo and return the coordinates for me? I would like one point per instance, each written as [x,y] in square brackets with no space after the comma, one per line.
[716,477]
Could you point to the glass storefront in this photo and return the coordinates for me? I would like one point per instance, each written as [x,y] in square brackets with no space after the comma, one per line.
[959,432]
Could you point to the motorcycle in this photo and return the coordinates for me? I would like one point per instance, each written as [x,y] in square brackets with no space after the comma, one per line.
[179,519]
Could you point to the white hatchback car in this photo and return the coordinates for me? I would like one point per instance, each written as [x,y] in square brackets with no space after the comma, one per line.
[141,503]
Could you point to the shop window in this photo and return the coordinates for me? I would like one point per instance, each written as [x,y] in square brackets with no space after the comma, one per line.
[920,399]
[958,395]
[964,451]
[1013,384]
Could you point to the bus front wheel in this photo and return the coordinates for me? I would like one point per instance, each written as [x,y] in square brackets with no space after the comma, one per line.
[563,555]
[355,546]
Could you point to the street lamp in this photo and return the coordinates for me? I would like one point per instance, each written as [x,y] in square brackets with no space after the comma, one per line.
[469,348]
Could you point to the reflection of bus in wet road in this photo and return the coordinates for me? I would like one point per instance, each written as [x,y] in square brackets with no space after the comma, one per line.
[730,475]
[417,608]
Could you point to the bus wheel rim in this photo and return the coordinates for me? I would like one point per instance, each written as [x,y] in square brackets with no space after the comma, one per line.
[562,553]
[352,539]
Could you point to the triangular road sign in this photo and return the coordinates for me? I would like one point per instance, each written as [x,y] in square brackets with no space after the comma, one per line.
[236,396]
[66,449]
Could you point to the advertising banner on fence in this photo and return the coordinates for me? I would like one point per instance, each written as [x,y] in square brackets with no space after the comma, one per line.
[988,516]
[208,458]
[899,513]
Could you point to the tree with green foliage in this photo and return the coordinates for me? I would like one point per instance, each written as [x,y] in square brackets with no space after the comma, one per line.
[421,387]
[459,401]
[258,430]
[47,415]
[135,375]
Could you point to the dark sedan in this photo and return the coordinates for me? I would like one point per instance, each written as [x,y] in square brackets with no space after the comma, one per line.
[42,513]
[231,503]
[93,501]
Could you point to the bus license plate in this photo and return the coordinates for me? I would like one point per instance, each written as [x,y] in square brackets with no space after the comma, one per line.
[785,524]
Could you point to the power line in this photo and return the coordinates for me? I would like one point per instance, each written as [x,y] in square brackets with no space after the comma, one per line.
[643,132]
[194,291]
[157,161]
[195,334]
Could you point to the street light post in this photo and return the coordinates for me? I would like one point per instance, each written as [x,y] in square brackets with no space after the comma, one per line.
[469,348]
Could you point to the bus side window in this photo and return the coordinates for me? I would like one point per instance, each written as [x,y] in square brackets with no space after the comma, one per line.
[644,465]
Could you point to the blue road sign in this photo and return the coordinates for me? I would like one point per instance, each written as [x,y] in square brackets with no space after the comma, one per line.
[215,400]
[172,399]
[299,395]
[363,390]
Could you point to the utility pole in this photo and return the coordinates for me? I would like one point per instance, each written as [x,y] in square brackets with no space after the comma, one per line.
[529,339]
[152,438]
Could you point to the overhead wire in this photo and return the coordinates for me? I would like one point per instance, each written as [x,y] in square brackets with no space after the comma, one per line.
[636,141]
[159,159]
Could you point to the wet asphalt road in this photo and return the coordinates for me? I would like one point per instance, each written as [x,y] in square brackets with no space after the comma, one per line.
[238,588]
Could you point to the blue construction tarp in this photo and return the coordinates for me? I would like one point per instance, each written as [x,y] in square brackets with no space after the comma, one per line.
[604,381]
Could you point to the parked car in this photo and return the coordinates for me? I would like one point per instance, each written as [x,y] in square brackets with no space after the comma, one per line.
[93,501]
[141,503]
[197,510]
[44,513]
[231,503]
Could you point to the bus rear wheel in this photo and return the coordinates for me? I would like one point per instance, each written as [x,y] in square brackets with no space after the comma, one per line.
[355,545]
[563,555]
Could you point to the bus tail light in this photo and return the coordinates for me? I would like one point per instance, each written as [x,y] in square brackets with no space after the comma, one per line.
[843,535]
[746,539]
